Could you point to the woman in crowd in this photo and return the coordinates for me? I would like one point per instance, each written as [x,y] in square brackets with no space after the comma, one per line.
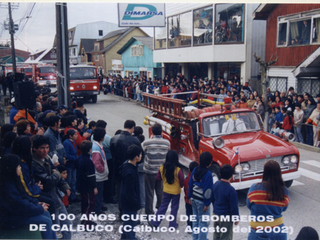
[251,101]
[17,209]
[173,179]
[268,198]
[307,113]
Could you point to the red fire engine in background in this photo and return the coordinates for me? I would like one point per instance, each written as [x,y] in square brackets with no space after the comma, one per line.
[44,74]
[84,82]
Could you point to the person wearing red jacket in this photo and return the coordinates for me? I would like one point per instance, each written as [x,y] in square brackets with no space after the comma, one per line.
[288,122]
[71,123]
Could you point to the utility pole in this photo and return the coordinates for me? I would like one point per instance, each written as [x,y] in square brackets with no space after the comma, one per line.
[11,30]
[63,75]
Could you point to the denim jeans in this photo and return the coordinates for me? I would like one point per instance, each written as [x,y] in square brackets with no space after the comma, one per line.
[72,179]
[99,197]
[44,218]
[310,135]
[63,211]
[127,232]
[197,209]
[253,235]
[298,134]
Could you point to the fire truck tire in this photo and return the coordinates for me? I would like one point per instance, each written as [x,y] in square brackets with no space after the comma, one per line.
[288,183]
[94,98]
[215,171]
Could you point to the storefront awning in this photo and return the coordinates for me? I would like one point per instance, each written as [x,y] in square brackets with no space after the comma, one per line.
[310,66]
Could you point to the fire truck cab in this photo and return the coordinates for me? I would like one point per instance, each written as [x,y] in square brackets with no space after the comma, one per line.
[233,136]
[44,75]
[84,82]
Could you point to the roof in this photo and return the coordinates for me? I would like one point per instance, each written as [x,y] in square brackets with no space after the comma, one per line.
[114,33]
[147,41]
[309,66]
[87,44]
[262,11]
[39,58]
[125,33]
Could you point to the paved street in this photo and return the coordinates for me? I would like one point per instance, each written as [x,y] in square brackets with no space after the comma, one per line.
[304,194]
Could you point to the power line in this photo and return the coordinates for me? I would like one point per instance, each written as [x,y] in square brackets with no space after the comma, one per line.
[27,17]
[24,44]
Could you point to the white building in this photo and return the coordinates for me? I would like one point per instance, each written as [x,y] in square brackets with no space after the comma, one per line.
[94,30]
[210,40]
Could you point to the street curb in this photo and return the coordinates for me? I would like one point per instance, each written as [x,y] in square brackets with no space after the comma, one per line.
[306,147]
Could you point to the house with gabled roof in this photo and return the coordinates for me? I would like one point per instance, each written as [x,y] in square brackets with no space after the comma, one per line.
[137,58]
[105,49]
[47,56]
[85,49]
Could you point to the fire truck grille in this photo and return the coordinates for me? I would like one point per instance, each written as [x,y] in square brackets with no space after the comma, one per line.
[256,168]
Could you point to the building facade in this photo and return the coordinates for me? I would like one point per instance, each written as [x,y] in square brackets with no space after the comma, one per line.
[105,52]
[293,34]
[210,40]
[137,58]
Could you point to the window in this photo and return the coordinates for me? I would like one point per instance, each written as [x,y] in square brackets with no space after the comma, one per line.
[128,73]
[229,23]
[299,29]
[185,29]
[96,48]
[97,57]
[174,31]
[100,32]
[310,85]
[278,84]
[74,51]
[202,25]
[160,40]
[137,50]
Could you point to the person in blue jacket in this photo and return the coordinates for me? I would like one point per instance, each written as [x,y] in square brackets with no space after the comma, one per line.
[21,146]
[200,190]
[17,209]
[71,149]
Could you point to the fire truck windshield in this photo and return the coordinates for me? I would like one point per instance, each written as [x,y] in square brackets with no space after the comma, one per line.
[47,70]
[82,73]
[230,123]
[28,70]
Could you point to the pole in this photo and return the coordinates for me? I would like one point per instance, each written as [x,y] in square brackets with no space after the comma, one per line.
[11,30]
[63,76]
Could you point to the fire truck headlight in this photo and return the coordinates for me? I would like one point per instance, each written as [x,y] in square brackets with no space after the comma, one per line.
[286,160]
[95,87]
[245,166]
[293,159]
[71,88]
[238,168]
[51,77]
[218,142]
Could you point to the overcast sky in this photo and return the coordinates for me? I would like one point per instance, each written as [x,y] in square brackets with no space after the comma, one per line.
[40,29]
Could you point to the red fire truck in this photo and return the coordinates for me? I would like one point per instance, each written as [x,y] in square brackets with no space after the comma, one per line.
[84,82]
[44,74]
[233,136]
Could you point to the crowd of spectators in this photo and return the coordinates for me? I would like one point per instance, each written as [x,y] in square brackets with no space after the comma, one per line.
[289,111]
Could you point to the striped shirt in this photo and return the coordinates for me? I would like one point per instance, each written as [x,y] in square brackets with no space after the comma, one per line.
[155,150]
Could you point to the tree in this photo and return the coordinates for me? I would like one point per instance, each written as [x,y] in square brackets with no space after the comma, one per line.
[263,69]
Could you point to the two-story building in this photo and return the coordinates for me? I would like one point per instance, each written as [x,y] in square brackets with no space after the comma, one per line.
[210,40]
[293,34]
[137,58]
[105,50]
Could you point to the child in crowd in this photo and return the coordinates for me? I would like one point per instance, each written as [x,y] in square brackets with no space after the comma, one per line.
[225,202]
[172,177]
[275,128]
[278,114]
[17,209]
[192,166]
[71,149]
[86,181]
[63,171]
[200,190]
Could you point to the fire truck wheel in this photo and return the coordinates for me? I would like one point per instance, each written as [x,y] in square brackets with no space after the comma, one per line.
[94,98]
[215,170]
[288,183]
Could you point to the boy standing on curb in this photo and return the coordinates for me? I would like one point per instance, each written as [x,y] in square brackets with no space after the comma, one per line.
[225,203]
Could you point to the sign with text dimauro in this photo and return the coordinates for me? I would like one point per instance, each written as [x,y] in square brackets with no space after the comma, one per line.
[141,15]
